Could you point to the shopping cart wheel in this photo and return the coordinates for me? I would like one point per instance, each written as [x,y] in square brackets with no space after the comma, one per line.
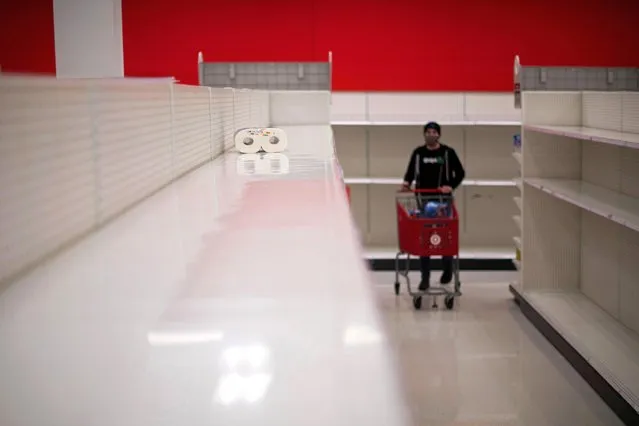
[396,288]
[449,301]
[417,302]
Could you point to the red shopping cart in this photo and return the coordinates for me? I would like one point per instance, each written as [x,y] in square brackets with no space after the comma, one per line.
[427,225]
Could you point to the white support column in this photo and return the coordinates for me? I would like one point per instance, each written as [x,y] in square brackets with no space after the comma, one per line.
[88,38]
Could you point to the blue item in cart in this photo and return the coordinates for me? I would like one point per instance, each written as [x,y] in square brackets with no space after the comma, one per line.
[434,209]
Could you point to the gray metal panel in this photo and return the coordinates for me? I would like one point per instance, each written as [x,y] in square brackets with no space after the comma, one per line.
[583,78]
[267,75]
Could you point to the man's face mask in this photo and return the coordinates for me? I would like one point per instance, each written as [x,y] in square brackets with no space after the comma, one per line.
[431,139]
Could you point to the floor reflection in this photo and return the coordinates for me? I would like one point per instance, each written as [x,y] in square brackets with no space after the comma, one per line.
[484,363]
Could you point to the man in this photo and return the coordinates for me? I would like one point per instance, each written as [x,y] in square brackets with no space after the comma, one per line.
[434,166]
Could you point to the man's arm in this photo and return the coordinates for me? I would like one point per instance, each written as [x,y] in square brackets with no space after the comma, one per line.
[457,172]
[409,176]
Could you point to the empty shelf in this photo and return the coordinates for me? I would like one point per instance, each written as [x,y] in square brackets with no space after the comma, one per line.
[615,206]
[398,181]
[611,137]
[608,346]
[464,252]
[421,123]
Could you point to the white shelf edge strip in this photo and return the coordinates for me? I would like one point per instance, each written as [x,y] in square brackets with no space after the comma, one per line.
[612,205]
[420,123]
[610,137]
[517,264]
[470,253]
[398,181]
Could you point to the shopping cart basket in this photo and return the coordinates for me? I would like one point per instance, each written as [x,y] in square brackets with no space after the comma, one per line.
[427,225]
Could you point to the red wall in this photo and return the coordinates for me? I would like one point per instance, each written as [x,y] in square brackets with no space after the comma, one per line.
[383,44]
[377,44]
[27,41]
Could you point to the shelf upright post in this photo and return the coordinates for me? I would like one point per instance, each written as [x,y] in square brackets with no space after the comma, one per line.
[200,68]
[330,77]
[517,82]
[367,136]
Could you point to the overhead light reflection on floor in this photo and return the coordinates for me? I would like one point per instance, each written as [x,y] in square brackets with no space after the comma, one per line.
[248,375]
[233,388]
[360,334]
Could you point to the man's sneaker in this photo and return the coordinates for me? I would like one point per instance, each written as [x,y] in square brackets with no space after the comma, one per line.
[446,277]
[424,285]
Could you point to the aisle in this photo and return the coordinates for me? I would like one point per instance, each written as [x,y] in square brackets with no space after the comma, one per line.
[484,363]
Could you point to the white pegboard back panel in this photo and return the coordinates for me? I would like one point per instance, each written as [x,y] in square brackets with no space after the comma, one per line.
[602,110]
[74,153]
[487,152]
[628,273]
[486,216]
[192,137]
[415,107]
[551,156]
[601,164]
[133,142]
[46,168]
[611,167]
[551,240]
[552,108]
[351,149]
[300,108]
[390,148]
[600,261]
[348,106]
[491,107]
[409,108]
[630,108]
[629,172]
[222,119]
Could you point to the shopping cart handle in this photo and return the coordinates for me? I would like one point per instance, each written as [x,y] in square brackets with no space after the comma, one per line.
[429,191]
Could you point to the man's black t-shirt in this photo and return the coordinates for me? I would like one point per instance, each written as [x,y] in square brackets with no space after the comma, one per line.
[433,168]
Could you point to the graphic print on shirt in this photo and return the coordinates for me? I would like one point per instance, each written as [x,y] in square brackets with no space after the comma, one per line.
[433,160]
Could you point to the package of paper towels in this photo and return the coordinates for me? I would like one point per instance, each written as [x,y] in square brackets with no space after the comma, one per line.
[253,139]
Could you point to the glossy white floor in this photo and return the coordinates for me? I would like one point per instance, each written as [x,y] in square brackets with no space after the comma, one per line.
[483,364]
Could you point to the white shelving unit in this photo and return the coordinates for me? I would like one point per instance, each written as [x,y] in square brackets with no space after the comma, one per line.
[580,226]
[375,134]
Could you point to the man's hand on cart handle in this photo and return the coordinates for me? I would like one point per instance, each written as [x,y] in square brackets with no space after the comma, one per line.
[446,189]
[405,187]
